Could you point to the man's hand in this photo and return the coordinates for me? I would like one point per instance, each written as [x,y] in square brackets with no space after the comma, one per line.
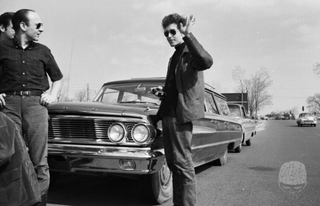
[188,27]
[2,102]
[158,91]
[47,99]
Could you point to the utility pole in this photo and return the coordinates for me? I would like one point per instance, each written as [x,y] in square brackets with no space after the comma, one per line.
[87,92]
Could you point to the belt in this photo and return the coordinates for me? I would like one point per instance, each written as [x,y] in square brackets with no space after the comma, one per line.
[25,93]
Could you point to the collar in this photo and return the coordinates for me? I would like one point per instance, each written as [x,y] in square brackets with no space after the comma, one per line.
[17,45]
[180,46]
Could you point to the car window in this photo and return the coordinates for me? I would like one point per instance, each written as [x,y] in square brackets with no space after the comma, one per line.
[210,106]
[125,93]
[235,110]
[223,106]
[305,115]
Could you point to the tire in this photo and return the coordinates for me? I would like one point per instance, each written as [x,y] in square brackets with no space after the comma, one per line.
[239,148]
[248,142]
[223,160]
[158,186]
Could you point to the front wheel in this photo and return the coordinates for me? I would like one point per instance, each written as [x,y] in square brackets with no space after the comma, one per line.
[248,142]
[223,159]
[158,186]
[239,148]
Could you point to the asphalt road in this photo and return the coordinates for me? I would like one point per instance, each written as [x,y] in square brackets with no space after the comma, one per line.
[281,167]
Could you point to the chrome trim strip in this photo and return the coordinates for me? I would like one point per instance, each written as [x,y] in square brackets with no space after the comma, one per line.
[214,144]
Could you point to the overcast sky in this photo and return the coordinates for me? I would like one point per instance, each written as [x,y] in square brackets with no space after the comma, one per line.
[96,41]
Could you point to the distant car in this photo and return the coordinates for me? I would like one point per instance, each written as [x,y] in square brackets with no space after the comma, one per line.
[238,112]
[306,118]
[264,118]
[116,134]
[280,117]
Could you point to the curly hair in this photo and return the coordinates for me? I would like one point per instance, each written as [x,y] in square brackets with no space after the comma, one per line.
[5,19]
[173,19]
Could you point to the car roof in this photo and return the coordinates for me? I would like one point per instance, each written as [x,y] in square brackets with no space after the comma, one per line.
[157,81]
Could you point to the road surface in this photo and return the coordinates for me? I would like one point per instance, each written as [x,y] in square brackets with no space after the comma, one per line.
[281,167]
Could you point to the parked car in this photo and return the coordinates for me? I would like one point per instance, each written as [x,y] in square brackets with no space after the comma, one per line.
[247,123]
[280,117]
[116,134]
[306,118]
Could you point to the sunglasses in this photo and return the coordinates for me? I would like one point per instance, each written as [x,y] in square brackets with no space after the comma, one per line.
[172,31]
[39,25]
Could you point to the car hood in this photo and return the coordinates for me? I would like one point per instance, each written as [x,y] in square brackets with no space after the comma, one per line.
[98,108]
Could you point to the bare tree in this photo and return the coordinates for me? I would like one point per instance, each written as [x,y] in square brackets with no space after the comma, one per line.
[314,103]
[81,95]
[316,69]
[256,87]
[237,75]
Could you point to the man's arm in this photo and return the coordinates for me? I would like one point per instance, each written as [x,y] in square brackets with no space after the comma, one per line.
[53,95]
[201,58]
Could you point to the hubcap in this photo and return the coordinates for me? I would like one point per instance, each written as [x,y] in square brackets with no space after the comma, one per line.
[165,174]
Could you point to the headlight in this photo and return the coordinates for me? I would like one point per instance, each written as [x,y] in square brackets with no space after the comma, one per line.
[140,133]
[116,133]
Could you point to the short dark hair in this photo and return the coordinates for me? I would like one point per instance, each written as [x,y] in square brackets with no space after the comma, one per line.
[5,19]
[20,16]
[173,19]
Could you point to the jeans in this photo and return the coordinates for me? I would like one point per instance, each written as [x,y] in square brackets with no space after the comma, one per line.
[177,145]
[32,121]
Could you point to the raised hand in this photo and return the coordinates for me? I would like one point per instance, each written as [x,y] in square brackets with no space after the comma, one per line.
[188,27]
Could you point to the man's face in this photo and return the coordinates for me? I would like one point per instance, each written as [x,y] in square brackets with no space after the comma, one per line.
[7,32]
[173,35]
[34,27]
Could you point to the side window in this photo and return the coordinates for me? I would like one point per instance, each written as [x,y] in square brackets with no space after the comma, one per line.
[209,103]
[223,106]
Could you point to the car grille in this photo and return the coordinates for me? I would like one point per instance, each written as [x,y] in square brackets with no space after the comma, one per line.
[84,128]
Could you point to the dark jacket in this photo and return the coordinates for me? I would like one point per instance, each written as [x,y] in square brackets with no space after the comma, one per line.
[190,81]
[18,180]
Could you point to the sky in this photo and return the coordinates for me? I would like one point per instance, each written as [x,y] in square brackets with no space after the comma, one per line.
[98,41]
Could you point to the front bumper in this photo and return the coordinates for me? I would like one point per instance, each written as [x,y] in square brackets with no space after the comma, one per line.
[103,159]
[307,122]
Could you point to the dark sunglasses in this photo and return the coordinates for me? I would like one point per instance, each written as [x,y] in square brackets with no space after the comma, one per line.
[39,25]
[172,31]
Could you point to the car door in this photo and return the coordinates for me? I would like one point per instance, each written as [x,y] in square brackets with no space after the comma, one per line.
[210,136]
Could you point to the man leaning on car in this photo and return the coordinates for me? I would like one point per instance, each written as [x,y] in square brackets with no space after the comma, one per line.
[23,86]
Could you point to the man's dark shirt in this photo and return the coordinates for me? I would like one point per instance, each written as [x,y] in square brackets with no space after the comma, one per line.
[170,101]
[26,69]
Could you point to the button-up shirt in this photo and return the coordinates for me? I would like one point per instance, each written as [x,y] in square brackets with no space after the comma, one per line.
[26,69]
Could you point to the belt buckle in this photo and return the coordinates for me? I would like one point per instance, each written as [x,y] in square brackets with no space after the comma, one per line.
[24,93]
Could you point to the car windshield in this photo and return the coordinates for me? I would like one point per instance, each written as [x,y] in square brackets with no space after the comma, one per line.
[305,115]
[127,93]
[234,110]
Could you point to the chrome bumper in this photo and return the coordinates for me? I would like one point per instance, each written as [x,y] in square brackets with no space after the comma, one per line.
[103,159]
